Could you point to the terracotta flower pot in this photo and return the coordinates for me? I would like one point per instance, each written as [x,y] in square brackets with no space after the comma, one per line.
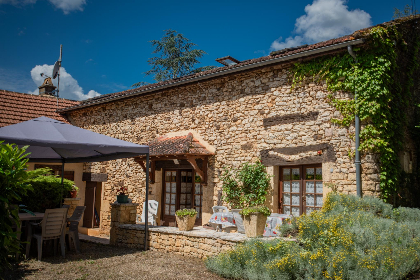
[73,194]
[186,223]
[254,224]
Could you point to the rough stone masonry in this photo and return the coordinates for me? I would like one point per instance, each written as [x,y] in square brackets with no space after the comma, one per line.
[245,117]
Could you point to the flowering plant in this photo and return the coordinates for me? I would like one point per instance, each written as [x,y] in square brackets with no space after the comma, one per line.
[122,190]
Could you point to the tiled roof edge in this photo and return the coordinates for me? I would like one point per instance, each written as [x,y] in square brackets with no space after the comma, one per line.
[173,83]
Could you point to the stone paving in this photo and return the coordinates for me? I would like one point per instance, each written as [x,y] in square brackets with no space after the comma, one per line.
[103,239]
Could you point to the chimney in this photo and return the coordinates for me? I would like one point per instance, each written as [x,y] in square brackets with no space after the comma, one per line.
[47,88]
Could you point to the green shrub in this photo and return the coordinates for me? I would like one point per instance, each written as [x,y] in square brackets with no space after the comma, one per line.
[246,186]
[349,238]
[261,209]
[13,185]
[186,212]
[47,193]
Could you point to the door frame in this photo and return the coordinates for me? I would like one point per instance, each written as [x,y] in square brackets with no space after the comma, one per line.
[302,189]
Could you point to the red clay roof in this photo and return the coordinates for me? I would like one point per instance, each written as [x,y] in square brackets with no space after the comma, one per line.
[277,54]
[18,107]
[178,145]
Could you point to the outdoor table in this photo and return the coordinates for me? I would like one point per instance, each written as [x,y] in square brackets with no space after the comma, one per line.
[273,221]
[223,220]
[25,218]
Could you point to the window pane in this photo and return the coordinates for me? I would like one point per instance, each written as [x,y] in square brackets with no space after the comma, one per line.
[286,199]
[286,186]
[173,199]
[183,187]
[310,200]
[319,200]
[295,187]
[182,207]
[197,188]
[318,175]
[286,210]
[310,187]
[173,188]
[295,199]
[166,209]
[198,200]
[310,173]
[184,173]
[182,199]
[286,174]
[295,211]
[309,210]
[168,198]
[198,209]
[189,187]
[318,187]
[172,210]
[295,174]
[188,199]
[168,187]
[168,176]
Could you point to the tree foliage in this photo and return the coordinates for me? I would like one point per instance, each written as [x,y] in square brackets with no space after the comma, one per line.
[13,185]
[177,57]
[406,12]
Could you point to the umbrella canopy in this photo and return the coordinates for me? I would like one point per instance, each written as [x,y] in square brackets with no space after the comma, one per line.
[54,141]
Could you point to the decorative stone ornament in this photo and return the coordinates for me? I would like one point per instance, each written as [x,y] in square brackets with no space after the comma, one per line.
[254,224]
[186,223]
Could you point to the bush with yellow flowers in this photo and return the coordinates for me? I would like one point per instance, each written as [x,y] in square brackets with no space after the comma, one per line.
[349,238]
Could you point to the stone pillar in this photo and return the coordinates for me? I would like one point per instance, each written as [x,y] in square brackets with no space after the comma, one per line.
[121,213]
[72,202]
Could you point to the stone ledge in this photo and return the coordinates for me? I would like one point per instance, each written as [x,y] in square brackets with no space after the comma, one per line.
[199,232]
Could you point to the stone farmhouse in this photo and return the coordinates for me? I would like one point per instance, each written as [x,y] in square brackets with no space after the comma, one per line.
[244,111]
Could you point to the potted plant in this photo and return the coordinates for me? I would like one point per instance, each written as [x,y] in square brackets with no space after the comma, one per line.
[185,218]
[247,187]
[73,192]
[122,197]
[232,194]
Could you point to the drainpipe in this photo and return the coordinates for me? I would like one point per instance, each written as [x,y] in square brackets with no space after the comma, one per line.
[357,127]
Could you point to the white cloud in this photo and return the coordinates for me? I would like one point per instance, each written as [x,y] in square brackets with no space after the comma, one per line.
[69,5]
[69,87]
[66,6]
[324,20]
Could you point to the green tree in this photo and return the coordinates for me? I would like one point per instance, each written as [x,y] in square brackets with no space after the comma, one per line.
[407,11]
[177,57]
[13,185]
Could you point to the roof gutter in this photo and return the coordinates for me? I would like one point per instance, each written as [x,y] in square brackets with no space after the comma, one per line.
[221,73]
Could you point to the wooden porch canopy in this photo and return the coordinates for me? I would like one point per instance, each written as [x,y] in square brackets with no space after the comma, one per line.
[177,148]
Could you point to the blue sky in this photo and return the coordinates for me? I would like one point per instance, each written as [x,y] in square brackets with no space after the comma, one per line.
[105,43]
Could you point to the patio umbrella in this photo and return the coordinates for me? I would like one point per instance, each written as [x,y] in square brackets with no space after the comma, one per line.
[53,141]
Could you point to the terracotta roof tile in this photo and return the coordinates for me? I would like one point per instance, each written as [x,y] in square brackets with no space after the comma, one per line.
[277,54]
[18,107]
[177,146]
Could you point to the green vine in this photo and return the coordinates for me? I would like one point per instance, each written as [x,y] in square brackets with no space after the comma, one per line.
[381,96]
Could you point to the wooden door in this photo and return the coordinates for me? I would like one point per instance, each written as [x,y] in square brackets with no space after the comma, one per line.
[177,194]
[89,214]
[300,189]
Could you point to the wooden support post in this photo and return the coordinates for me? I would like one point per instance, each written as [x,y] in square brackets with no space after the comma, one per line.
[200,172]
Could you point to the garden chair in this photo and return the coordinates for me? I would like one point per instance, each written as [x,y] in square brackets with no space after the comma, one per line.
[73,230]
[52,226]
[220,209]
[153,210]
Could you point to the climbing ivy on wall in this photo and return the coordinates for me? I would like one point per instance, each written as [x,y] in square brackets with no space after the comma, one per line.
[382,97]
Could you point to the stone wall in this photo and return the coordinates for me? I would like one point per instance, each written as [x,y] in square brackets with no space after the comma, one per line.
[198,244]
[245,117]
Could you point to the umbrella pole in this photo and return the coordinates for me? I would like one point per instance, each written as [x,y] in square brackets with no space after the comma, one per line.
[146,209]
[62,182]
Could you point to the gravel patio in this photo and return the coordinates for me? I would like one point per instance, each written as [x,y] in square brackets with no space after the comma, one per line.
[98,261]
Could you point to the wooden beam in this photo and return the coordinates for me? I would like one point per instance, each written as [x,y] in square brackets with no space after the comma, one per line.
[192,161]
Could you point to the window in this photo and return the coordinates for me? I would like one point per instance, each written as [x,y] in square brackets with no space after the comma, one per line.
[300,189]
